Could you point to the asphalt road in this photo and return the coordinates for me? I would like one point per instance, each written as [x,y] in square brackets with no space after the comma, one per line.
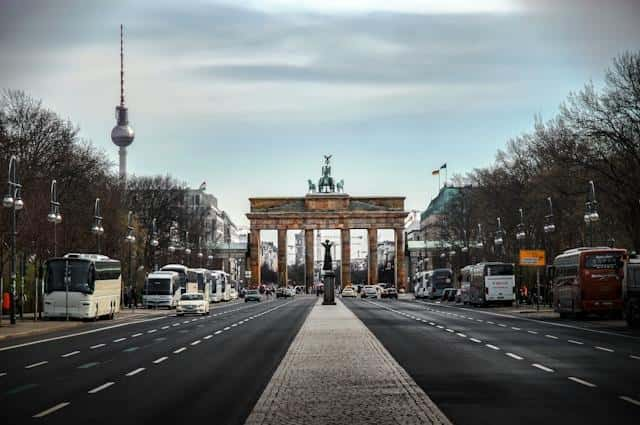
[483,368]
[168,370]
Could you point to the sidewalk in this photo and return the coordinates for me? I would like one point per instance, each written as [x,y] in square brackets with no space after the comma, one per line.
[29,327]
[337,372]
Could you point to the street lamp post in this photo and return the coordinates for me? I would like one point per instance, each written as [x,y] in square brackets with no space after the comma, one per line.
[548,228]
[97,228]
[13,200]
[498,240]
[187,250]
[591,211]
[154,244]
[130,240]
[480,242]
[200,254]
[54,215]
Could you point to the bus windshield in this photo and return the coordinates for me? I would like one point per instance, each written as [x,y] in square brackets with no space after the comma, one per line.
[499,270]
[441,279]
[157,286]
[603,261]
[78,273]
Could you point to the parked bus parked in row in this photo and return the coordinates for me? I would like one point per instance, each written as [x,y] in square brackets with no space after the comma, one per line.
[82,286]
[437,282]
[161,289]
[492,283]
[631,292]
[182,272]
[225,281]
[588,280]
[465,284]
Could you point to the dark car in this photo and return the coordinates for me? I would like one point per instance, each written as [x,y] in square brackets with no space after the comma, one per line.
[448,294]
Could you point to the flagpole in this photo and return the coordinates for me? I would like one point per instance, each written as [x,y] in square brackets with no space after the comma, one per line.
[445,176]
[438,180]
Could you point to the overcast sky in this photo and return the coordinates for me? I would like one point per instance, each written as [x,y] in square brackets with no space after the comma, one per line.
[248,98]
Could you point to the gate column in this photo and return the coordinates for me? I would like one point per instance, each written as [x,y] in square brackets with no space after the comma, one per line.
[373,255]
[401,275]
[308,259]
[282,257]
[345,267]
[254,257]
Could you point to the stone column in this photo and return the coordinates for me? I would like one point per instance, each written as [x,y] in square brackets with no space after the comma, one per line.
[345,262]
[373,255]
[401,273]
[308,258]
[254,257]
[282,257]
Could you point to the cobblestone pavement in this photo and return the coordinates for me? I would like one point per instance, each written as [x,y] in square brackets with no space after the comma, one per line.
[337,372]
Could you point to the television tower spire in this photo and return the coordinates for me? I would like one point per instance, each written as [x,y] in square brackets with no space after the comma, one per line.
[122,134]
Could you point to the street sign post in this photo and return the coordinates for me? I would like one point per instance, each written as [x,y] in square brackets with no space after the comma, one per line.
[534,258]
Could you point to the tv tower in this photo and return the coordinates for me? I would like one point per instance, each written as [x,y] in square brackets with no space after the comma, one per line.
[122,134]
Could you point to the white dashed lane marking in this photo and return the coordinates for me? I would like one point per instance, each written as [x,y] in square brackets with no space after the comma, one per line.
[196,342]
[634,357]
[51,410]
[136,335]
[208,336]
[151,331]
[31,366]
[493,347]
[608,350]
[514,356]
[571,341]
[533,332]
[630,400]
[73,353]
[160,360]
[93,347]
[101,387]
[476,340]
[551,336]
[542,367]
[179,350]
[135,372]
[582,382]
[119,339]
[217,332]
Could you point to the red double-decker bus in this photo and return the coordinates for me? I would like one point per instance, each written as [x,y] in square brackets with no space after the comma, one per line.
[588,280]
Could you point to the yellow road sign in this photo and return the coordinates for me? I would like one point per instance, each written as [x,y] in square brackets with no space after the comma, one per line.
[532,257]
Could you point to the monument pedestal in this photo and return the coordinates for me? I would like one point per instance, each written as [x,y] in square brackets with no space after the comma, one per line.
[329,288]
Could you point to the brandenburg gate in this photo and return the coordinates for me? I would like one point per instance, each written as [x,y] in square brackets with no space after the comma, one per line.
[327,207]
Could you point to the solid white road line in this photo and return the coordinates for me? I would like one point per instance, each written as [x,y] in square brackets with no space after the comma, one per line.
[514,356]
[551,336]
[119,339]
[541,367]
[196,342]
[608,350]
[476,340]
[31,366]
[583,382]
[160,360]
[571,341]
[179,350]
[493,347]
[93,347]
[135,372]
[100,388]
[630,400]
[55,338]
[51,410]
[73,353]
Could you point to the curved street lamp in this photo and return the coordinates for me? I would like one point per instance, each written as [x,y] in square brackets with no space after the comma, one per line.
[97,228]
[549,227]
[591,210]
[13,201]
[521,234]
[54,215]
[154,243]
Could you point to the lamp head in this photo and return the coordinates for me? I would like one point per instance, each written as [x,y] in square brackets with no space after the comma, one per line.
[51,217]
[7,201]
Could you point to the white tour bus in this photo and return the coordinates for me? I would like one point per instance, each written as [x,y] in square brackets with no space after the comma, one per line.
[225,281]
[420,290]
[182,272]
[492,283]
[161,289]
[84,286]
[216,287]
